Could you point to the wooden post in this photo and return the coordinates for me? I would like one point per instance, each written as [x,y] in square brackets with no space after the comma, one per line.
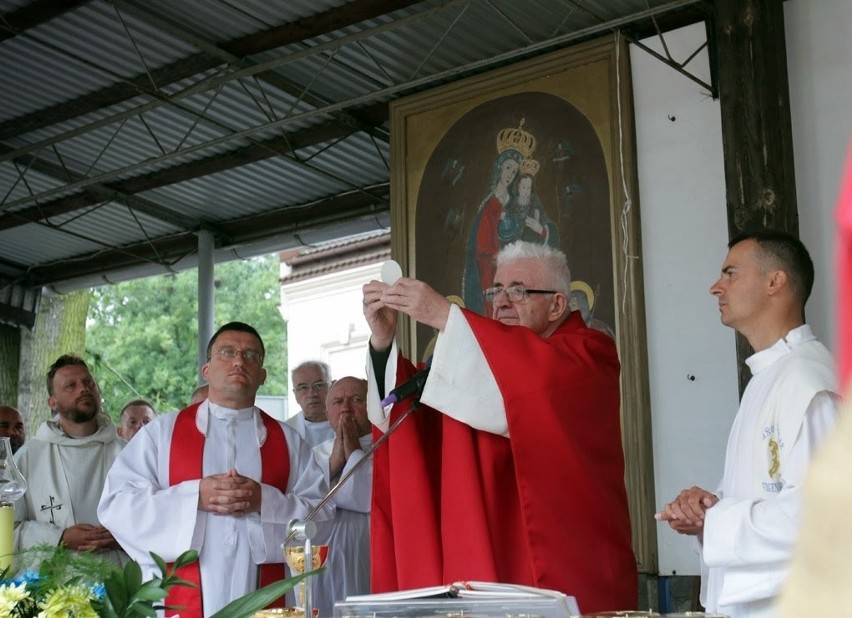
[756,132]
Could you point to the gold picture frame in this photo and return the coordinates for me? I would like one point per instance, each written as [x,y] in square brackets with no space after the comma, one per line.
[569,114]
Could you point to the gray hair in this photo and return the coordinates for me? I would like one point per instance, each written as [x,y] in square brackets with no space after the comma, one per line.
[323,367]
[554,261]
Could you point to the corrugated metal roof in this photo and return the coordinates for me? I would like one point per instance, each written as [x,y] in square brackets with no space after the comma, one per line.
[126,125]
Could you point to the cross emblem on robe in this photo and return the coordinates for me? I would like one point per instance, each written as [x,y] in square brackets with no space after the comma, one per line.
[51,508]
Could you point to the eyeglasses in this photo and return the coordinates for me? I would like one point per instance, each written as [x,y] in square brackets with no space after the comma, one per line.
[515,293]
[249,356]
[317,386]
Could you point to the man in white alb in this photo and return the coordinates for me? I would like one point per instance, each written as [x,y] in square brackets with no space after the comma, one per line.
[65,465]
[746,530]
[220,477]
[311,380]
[348,562]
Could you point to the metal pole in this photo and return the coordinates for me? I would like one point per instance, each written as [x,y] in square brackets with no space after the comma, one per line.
[206,308]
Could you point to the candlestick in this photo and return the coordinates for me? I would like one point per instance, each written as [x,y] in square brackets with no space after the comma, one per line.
[12,486]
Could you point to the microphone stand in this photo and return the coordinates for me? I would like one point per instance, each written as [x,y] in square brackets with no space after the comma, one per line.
[358,464]
[305,529]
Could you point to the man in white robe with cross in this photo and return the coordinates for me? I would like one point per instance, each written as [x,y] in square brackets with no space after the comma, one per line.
[65,465]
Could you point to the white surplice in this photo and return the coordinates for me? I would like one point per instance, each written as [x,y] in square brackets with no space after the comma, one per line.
[348,563]
[458,361]
[147,515]
[788,409]
[312,432]
[65,476]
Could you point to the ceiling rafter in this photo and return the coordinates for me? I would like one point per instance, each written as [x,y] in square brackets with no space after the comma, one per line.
[309,27]
[370,97]
[307,117]
[124,189]
[140,11]
[238,72]
[34,14]
[167,250]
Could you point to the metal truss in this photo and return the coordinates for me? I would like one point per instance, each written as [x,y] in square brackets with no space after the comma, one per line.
[239,69]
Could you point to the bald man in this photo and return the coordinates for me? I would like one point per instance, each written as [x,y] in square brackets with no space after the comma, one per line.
[12,427]
[348,564]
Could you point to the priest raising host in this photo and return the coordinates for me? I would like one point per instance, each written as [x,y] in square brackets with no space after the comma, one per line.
[513,470]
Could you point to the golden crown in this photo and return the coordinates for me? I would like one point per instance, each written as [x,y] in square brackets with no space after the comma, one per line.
[516,139]
[529,166]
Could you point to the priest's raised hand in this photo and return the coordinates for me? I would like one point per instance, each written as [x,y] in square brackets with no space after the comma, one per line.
[414,298]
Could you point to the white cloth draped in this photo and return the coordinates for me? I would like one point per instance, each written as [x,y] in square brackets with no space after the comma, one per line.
[457,357]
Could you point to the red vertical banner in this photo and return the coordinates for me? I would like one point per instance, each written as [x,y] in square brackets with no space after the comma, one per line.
[844,274]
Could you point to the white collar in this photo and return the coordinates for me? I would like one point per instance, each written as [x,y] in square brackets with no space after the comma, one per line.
[759,361]
[208,409]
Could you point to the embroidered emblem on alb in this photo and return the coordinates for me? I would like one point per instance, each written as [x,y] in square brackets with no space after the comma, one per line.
[774,446]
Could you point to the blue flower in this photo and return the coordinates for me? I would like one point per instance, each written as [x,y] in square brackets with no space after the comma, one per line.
[99,591]
[26,577]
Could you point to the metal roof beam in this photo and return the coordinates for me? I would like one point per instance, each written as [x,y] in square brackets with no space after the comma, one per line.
[308,27]
[99,193]
[124,189]
[140,11]
[379,94]
[34,14]
[167,251]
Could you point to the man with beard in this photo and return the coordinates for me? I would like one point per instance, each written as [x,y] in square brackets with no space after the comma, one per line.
[65,465]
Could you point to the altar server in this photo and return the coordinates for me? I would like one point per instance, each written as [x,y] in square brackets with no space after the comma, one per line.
[746,529]
[220,477]
[515,472]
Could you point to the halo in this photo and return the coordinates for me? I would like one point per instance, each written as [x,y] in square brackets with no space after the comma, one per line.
[582,286]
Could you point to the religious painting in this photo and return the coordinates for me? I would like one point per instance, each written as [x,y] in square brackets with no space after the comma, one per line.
[539,151]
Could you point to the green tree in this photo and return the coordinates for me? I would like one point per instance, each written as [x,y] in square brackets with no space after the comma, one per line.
[142,334]
[60,328]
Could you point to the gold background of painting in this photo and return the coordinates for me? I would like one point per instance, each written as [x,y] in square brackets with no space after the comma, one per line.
[586,77]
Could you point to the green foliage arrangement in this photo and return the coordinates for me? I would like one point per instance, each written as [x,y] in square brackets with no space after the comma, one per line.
[69,584]
[141,335]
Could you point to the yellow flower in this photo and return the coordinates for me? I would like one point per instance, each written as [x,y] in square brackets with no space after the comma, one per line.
[68,602]
[10,596]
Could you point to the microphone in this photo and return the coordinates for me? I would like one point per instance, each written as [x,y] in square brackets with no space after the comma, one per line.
[412,386]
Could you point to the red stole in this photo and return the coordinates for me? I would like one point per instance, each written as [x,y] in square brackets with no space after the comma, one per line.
[186,464]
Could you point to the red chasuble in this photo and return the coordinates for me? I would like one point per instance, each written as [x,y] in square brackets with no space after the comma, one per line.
[545,507]
[186,461]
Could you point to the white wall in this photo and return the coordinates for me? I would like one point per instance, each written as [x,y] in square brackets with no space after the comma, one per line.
[684,230]
[819,64]
[684,237]
[325,322]
[274,405]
